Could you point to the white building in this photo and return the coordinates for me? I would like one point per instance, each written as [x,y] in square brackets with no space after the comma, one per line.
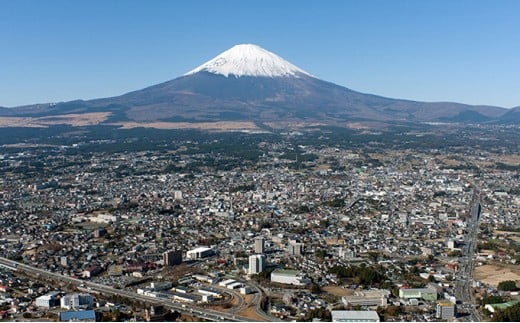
[235,285]
[290,277]
[226,282]
[75,300]
[354,316]
[48,300]
[104,218]
[371,297]
[199,253]
[256,264]
[209,291]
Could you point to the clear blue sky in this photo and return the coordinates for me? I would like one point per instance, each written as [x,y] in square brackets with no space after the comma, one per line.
[444,50]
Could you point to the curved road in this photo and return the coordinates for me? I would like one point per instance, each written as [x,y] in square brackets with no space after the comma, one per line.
[187,309]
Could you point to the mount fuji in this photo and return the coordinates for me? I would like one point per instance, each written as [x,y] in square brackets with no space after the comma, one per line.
[247,82]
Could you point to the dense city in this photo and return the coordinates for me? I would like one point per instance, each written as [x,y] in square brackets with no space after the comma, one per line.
[293,226]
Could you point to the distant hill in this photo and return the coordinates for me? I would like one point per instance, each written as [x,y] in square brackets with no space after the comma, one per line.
[511,116]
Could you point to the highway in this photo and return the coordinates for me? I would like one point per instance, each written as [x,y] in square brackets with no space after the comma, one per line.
[188,309]
[464,277]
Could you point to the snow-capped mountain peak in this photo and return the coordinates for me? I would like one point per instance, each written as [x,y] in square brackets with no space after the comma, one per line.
[249,60]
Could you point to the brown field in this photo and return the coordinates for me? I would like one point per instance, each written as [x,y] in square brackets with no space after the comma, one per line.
[507,159]
[250,313]
[216,126]
[515,236]
[292,125]
[495,273]
[94,118]
[338,291]
[83,119]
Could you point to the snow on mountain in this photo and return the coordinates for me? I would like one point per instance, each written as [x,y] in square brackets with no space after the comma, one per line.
[249,60]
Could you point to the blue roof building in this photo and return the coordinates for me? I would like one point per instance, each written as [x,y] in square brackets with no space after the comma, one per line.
[85,316]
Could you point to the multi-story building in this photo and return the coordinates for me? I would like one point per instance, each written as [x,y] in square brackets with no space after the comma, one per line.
[256,264]
[70,301]
[172,258]
[295,249]
[48,300]
[445,310]
[259,245]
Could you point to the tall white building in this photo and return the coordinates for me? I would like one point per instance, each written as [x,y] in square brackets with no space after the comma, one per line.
[256,264]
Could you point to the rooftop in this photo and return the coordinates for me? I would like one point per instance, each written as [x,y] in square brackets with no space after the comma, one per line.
[354,316]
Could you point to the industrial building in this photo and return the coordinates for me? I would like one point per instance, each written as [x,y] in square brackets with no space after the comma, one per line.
[226,282]
[199,253]
[209,291]
[445,310]
[77,316]
[256,264]
[290,277]
[372,297]
[354,316]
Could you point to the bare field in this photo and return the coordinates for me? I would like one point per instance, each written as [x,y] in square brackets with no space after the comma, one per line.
[292,125]
[495,273]
[250,313]
[507,159]
[338,291]
[94,118]
[83,119]
[217,126]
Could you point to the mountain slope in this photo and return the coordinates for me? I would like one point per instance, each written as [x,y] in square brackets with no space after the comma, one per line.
[511,116]
[248,82]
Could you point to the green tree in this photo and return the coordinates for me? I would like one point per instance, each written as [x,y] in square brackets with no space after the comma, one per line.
[507,285]
[315,288]
[511,314]
[319,313]
[491,300]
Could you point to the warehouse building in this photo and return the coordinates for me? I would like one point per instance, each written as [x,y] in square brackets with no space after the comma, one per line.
[354,316]
[289,277]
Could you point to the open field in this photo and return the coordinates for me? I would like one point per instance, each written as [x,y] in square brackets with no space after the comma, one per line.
[215,126]
[250,313]
[338,291]
[83,119]
[495,273]
[292,125]
[96,118]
